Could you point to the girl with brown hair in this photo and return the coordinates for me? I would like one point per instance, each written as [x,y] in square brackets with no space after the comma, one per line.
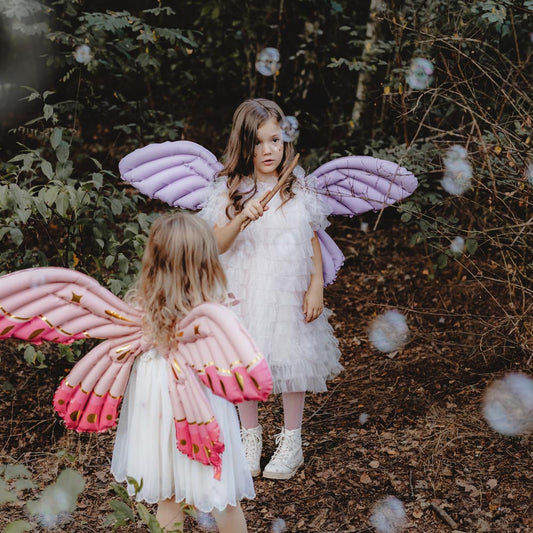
[274,267]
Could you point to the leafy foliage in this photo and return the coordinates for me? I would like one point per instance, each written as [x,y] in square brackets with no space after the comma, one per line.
[149,74]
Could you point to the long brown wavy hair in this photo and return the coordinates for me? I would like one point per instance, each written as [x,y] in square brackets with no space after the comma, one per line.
[180,269]
[239,153]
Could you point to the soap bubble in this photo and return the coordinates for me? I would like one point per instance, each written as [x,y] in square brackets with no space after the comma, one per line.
[206,521]
[389,332]
[82,54]
[290,129]
[267,61]
[278,525]
[457,246]
[58,501]
[529,173]
[508,404]
[458,171]
[388,515]
[420,73]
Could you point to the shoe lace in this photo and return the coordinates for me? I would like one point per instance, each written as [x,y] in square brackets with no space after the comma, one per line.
[251,440]
[284,450]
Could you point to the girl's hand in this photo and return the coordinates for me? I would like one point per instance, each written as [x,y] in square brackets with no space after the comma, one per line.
[253,209]
[313,301]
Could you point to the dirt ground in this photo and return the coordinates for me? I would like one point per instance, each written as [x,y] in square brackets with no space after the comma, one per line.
[424,440]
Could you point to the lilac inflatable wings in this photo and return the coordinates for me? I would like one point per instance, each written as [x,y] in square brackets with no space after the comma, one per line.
[62,305]
[352,186]
[179,172]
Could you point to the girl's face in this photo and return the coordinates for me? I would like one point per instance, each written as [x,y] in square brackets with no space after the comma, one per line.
[268,150]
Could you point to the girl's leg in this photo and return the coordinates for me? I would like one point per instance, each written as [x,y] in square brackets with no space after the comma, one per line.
[288,456]
[248,414]
[293,409]
[251,435]
[230,520]
[170,515]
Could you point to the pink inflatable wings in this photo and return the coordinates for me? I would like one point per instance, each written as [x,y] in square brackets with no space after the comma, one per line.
[62,305]
[179,172]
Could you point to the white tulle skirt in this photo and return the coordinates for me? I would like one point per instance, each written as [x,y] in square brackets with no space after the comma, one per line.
[145,446]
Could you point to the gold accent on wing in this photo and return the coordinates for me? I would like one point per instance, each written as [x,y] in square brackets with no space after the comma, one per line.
[109,417]
[254,381]
[183,442]
[76,298]
[197,329]
[179,334]
[60,402]
[91,418]
[210,382]
[125,349]
[253,361]
[35,333]
[207,451]
[5,331]
[176,365]
[195,448]
[7,313]
[74,416]
[114,314]
[240,380]
[223,388]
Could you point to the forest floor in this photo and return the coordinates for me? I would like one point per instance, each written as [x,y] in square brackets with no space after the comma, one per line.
[424,440]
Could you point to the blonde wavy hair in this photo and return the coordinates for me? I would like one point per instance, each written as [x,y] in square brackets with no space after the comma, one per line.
[180,269]
[239,153]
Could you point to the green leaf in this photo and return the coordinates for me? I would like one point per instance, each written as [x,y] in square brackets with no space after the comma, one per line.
[24,484]
[16,235]
[47,169]
[122,510]
[62,203]
[121,492]
[472,246]
[48,111]
[6,496]
[30,354]
[62,152]
[16,471]
[18,526]
[50,194]
[149,519]
[55,137]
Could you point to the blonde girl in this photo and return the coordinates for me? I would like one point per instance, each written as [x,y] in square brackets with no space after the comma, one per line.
[274,267]
[180,269]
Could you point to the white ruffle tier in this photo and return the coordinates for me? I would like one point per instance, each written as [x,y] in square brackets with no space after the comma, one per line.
[269,268]
[145,446]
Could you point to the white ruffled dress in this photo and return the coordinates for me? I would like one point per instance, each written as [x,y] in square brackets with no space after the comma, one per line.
[145,445]
[269,267]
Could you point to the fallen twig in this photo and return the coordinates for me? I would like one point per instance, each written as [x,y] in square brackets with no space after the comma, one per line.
[444,515]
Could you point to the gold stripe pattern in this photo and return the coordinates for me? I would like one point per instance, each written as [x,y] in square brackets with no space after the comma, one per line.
[7,313]
[114,314]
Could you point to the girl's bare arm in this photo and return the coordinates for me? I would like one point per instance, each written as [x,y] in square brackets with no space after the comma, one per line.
[313,304]
[225,235]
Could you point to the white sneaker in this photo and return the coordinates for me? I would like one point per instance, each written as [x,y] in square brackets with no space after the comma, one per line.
[288,456]
[252,442]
